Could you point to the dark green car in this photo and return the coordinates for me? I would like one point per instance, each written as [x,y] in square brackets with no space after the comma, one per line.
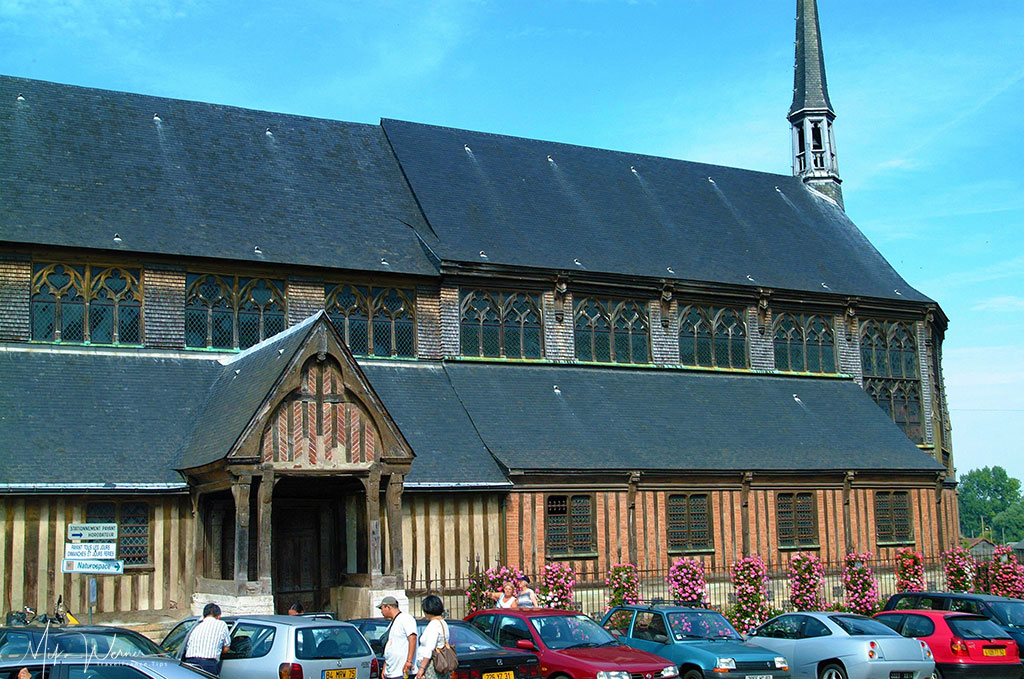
[701,642]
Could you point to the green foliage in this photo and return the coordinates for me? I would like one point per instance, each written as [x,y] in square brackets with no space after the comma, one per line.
[1008,525]
[985,494]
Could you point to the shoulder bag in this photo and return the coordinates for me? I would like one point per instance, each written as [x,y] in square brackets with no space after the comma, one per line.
[445,660]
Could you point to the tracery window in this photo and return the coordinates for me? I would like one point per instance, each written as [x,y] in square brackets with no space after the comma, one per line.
[373,321]
[132,519]
[712,337]
[569,525]
[892,516]
[804,343]
[500,324]
[796,519]
[611,331]
[888,351]
[689,523]
[230,312]
[86,303]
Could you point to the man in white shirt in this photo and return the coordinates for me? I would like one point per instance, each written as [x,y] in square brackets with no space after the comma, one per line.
[400,648]
[207,641]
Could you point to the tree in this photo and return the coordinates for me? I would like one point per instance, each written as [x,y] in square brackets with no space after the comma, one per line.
[984,494]
[1008,525]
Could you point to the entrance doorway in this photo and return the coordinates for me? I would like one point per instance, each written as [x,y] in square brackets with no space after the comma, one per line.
[297,556]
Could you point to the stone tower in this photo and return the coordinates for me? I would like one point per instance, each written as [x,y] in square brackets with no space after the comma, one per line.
[811,115]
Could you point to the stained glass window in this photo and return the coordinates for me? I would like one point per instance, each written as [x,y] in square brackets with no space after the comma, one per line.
[569,525]
[230,312]
[804,343]
[888,352]
[373,321]
[611,331]
[712,337]
[500,324]
[132,519]
[892,516]
[796,519]
[689,523]
[86,303]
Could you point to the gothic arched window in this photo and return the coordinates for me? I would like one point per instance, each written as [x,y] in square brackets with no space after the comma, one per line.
[373,321]
[228,312]
[611,331]
[711,337]
[500,324]
[86,303]
[888,352]
[804,343]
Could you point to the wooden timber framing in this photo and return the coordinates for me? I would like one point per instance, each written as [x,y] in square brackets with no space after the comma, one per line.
[448,535]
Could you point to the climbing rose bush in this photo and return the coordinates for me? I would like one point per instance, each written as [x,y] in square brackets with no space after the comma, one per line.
[490,580]
[960,569]
[686,581]
[623,584]
[909,570]
[750,581]
[806,574]
[558,587]
[1007,576]
[860,584]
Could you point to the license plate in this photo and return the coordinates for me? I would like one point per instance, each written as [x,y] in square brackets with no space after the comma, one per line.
[507,674]
[759,676]
[340,674]
[993,651]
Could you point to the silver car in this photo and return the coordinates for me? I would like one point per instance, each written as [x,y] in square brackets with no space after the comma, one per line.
[843,646]
[283,646]
[92,666]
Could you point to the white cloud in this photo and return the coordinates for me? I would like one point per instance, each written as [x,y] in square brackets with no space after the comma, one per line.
[1002,303]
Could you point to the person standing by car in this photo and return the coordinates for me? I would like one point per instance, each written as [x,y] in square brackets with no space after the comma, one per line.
[435,635]
[400,647]
[527,597]
[208,640]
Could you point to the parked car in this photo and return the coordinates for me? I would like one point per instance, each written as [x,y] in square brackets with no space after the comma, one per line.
[699,641]
[843,646]
[75,666]
[478,655]
[964,645]
[287,646]
[94,640]
[1007,612]
[570,644]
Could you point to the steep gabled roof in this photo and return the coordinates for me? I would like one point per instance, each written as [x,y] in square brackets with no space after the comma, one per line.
[80,165]
[594,210]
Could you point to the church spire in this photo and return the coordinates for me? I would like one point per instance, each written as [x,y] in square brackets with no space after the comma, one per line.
[811,114]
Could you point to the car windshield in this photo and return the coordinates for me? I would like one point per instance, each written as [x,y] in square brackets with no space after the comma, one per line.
[857,626]
[465,637]
[700,625]
[1010,613]
[560,632]
[322,643]
[976,628]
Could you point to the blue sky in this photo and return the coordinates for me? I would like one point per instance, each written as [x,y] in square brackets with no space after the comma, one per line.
[929,96]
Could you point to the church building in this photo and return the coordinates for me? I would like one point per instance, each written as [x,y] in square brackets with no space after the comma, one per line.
[302,359]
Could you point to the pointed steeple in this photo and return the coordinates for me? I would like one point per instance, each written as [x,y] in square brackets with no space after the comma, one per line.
[811,114]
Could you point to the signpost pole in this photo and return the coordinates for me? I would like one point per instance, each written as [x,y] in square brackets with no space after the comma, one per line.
[92,596]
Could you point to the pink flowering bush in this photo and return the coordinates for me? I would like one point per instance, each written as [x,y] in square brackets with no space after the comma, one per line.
[860,584]
[750,580]
[558,587]
[491,580]
[909,570]
[1007,578]
[806,574]
[686,581]
[624,584]
[960,569]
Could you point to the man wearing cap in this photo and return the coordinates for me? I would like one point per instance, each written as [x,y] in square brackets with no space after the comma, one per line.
[400,648]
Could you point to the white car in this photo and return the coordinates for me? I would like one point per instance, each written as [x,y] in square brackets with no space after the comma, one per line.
[843,646]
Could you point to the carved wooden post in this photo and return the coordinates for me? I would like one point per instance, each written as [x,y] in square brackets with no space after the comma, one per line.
[748,477]
[634,480]
[394,508]
[939,479]
[847,523]
[195,550]
[372,484]
[240,490]
[266,525]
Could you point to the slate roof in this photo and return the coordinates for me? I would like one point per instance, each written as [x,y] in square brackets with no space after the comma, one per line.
[810,88]
[704,222]
[80,165]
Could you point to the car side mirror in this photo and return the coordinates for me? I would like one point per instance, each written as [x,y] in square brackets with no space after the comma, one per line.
[525,645]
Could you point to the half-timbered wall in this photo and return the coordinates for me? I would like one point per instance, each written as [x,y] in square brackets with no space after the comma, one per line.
[34,532]
[447,535]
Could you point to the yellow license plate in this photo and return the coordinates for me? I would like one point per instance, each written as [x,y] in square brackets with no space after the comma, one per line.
[993,651]
[508,674]
[340,674]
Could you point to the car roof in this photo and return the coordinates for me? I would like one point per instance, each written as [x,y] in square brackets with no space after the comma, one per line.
[92,659]
[666,608]
[960,595]
[933,613]
[291,620]
[528,612]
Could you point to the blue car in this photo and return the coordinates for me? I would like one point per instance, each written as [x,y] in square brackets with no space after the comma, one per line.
[700,641]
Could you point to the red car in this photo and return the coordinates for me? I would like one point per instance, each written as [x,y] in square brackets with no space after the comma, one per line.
[569,644]
[963,644]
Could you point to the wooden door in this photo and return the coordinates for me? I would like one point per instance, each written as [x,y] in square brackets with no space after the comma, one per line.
[297,556]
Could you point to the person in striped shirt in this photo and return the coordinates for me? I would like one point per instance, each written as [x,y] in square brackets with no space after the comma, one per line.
[208,640]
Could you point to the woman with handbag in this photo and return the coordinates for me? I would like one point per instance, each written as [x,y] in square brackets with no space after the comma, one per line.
[435,656]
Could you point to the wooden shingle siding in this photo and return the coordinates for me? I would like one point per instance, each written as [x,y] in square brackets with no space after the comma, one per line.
[163,307]
[15,286]
[34,531]
[305,298]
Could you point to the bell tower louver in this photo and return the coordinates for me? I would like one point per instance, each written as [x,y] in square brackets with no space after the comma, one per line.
[811,115]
